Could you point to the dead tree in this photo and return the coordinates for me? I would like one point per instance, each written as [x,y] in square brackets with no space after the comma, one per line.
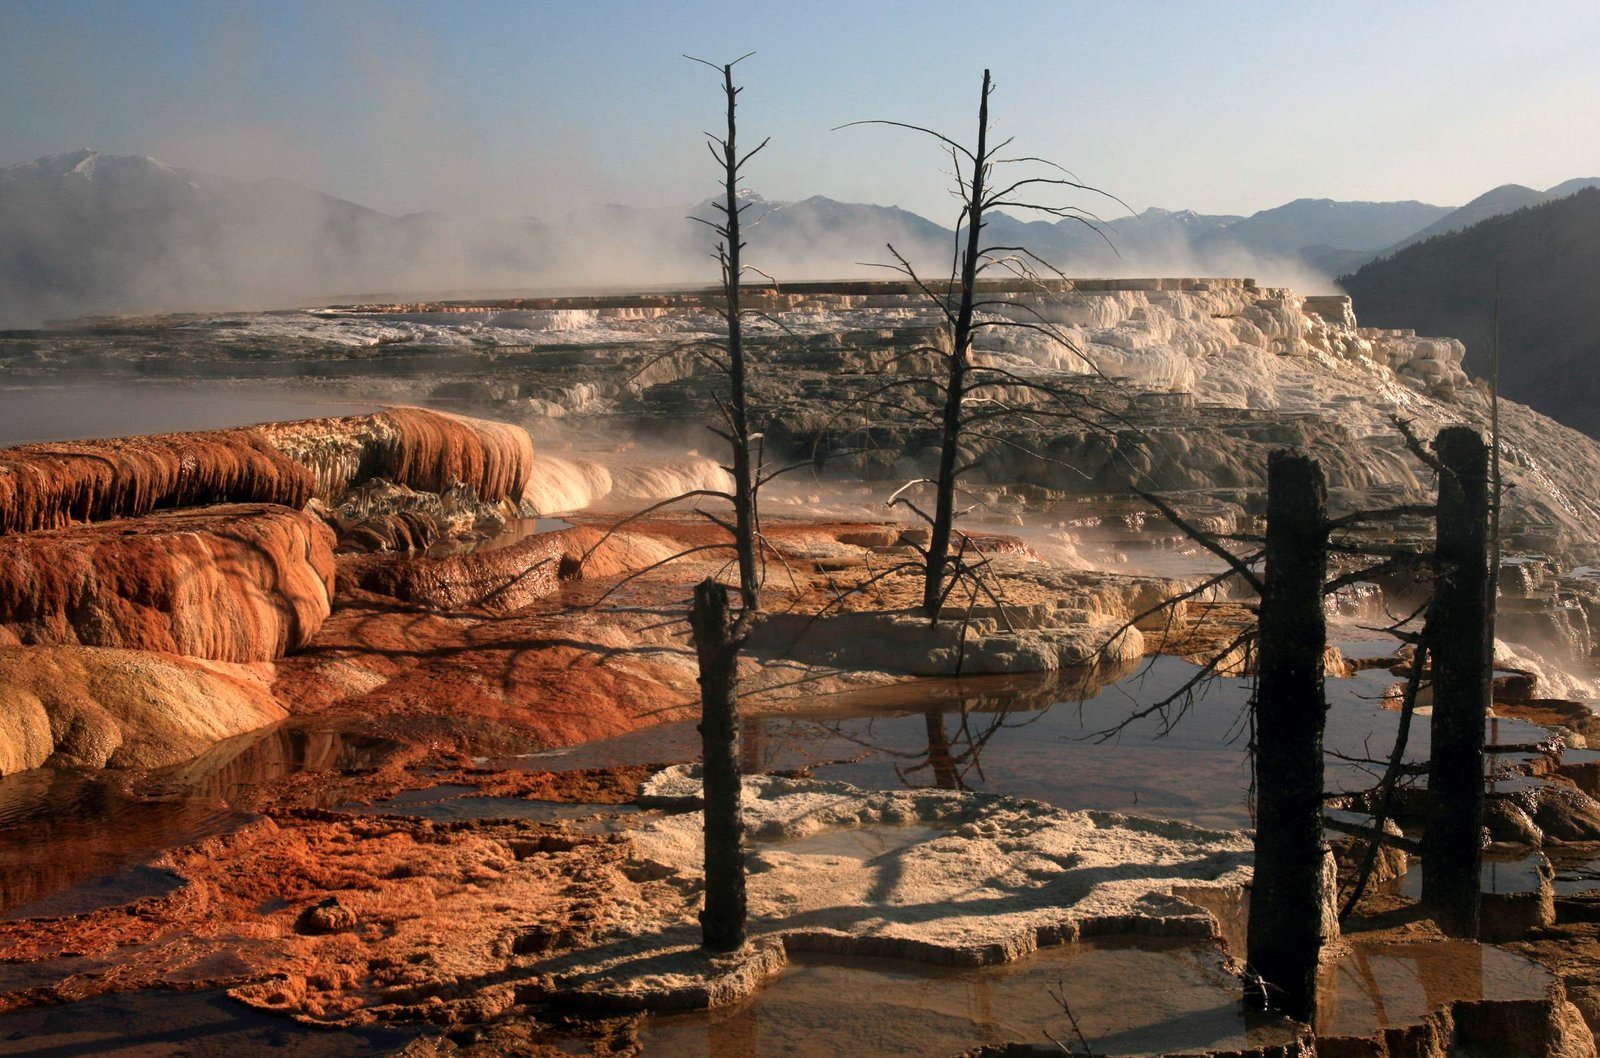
[1463,653]
[1290,710]
[735,410]
[962,390]
[719,632]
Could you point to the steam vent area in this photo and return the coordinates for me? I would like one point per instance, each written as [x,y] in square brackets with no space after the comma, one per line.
[350,702]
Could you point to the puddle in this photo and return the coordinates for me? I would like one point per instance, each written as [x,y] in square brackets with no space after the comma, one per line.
[1500,874]
[425,796]
[79,840]
[1013,736]
[514,531]
[1132,997]
[1384,985]
[112,890]
[1577,869]
[451,802]
[1160,996]
[202,1024]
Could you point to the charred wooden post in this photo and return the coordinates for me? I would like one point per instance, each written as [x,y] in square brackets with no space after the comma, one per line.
[717,645]
[1286,895]
[1463,660]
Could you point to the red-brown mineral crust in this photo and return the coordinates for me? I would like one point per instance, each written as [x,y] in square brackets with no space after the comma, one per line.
[508,578]
[229,583]
[422,449]
[47,486]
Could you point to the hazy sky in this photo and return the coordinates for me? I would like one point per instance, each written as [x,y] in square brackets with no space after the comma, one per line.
[540,107]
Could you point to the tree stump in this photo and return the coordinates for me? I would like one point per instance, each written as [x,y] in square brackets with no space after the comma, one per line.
[1463,662]
[723,918]
[1290,710]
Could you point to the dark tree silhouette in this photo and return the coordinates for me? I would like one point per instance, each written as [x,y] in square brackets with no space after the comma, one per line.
[970,392]
[719,632]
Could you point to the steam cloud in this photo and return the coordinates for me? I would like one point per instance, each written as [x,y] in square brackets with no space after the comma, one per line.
[88,233]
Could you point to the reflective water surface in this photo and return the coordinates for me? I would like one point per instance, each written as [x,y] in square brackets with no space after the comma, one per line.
[71,841]
[1158,995]
[1037,738]
[203,1024]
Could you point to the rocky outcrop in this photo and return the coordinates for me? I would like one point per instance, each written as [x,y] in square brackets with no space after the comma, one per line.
[510,577]
[94,707]
[904,641]
[953,879]
[228,583]
[1053,619]
[426,450]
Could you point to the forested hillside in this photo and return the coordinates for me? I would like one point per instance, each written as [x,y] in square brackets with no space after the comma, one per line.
[1549,259]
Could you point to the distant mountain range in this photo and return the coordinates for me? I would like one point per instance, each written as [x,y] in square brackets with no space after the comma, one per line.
[1506,198]
[87,232]
[93,233]
[1548,256]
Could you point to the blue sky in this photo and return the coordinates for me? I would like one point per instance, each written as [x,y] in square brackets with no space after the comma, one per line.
[541,107]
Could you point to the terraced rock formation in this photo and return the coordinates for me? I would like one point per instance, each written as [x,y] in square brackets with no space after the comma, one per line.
[238,583]
[46,486]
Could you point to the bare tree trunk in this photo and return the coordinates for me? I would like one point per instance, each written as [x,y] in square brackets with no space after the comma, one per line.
[1286,894]
[1463,655]
[722,920]
[944,511]
[744,490]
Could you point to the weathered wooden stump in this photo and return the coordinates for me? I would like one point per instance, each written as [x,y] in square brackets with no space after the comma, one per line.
[1463,662]
[723,918]
[1286,895]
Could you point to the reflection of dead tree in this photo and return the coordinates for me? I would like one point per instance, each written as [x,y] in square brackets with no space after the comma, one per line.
[972,394]
[1396,771]
[943,762]
[952,757]
[1059,994]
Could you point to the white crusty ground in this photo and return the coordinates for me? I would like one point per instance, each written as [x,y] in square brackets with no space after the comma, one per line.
[932,875]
